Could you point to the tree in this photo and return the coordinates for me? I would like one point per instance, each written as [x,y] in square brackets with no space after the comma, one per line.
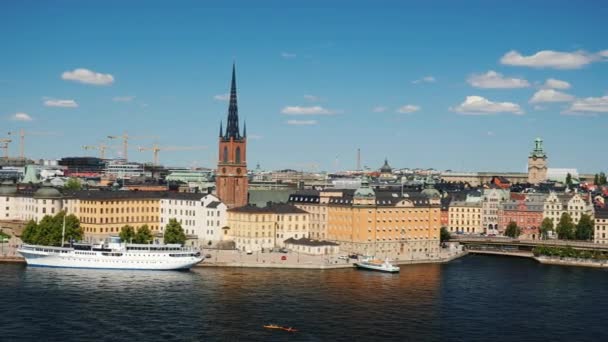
[143,235]
[72,184]
[49,230]
[584,228]
[512,230]
[444,235]
[174,233]
[127,233]
[569,180]
[545,227]
[596,179]
[565,227]
[602,178]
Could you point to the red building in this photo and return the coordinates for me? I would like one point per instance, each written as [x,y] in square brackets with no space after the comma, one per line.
[526,214]
[231,181]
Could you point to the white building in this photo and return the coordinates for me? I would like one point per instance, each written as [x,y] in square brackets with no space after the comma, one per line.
[201,215]
[557,204]
[18,205]
[490,202]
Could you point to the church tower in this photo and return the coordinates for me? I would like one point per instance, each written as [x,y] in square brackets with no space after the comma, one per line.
[537,163]
[231,176]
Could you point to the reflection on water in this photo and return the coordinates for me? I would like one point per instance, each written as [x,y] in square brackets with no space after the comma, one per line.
[473,298]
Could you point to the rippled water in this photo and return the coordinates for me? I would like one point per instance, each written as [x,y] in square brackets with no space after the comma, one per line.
[476,298]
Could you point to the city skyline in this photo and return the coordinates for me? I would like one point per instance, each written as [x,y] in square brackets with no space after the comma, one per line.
[315,81]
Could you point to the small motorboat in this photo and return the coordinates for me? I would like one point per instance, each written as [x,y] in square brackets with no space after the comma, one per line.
[377,265]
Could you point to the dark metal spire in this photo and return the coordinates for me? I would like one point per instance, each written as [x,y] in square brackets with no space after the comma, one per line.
[232,127]
[221,130]
[244,129]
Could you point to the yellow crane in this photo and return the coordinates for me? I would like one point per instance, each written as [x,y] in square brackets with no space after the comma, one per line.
[101,147]
[125,141]
[4,145]
[155,149]
[22,133]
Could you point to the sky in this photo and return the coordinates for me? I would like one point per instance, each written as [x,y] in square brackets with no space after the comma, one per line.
[460,85]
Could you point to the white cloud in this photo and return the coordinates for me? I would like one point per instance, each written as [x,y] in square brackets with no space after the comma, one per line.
[408,109]
[477,105]
[60,103]
[425,79]
[379,109]
[288,55]
[552,83]
[222,97]
[21,117]
[313,110]
[312,98]
[552,59]
[493,79]
[550,95]
[87,76]
[123,98]
[589,105]
[302,122]
[603,53]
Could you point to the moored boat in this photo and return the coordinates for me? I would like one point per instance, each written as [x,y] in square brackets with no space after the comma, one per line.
[377,265]
[112,254]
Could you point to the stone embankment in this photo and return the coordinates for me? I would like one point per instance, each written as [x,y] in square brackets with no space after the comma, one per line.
[572,262]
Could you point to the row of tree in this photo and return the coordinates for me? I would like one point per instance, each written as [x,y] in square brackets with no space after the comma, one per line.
[565,229]
[568,252]
[48,231]
[174,233]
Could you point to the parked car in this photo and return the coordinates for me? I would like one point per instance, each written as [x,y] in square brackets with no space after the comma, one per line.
[353,256]
[249,252]
[343,257]
[283,250]
[208,256]
[283,257]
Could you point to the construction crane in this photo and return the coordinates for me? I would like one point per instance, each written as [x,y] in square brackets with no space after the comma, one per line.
[22,135]
[101,147]
[155,149]
[125,141]
[4,145]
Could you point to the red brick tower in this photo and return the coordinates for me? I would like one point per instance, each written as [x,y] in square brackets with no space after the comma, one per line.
[231,176]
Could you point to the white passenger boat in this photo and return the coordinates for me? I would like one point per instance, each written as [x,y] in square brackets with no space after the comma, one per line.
[377,265]
[112,254]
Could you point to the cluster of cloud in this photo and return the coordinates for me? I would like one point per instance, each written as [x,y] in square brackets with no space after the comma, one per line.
[554,59]
[477,105]
[302,122]
[60,103]
[495,80]
[87,76]
[222,97]
[589,105]
[550,95]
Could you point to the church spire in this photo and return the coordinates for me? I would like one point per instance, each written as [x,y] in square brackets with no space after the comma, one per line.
[221,130]
[244,129]
[232,127]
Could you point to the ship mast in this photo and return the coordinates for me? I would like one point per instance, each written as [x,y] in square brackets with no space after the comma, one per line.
[63,230]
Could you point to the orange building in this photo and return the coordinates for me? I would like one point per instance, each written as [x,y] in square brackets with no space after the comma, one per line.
[231,177]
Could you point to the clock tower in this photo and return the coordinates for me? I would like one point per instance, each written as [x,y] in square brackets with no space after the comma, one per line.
[537,163]
[231,181]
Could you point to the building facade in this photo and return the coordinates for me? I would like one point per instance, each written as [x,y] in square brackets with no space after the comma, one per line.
[537,163]
[574,204]
[231,175]
[202,216]
[491,200]
[465,217]
[255,228]
[527,213]
[601,226]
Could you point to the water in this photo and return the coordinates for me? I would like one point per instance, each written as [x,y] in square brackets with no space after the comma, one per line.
[476,298]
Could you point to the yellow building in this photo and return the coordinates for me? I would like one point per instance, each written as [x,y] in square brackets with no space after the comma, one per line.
[465,217]
[315,202]
[601,226]
[104,213]
[385,224]
[255,228]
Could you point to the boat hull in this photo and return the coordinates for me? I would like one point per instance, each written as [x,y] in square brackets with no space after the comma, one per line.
[97,261]
[376,268]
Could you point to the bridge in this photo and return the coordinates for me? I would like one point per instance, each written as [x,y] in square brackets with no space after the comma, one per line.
[519,247]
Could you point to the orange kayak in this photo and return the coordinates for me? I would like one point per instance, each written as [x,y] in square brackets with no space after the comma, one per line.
[278,327]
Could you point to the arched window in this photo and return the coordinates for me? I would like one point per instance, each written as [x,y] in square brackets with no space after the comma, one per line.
[225,154]
[238,155]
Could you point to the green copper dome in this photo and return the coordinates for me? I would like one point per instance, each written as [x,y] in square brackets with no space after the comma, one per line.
[7,189]
[47,191]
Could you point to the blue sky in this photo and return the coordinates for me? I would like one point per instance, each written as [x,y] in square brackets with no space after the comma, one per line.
[456,85]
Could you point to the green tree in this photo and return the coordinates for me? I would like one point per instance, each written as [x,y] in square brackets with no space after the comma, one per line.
[602,178]
[174,233]
[545,227]
[565,227]
[30,233]
[512,230]
[569,180]
[584,228]
[127,233]
[143,235]
[73,184]
[596,179]
[444,235]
